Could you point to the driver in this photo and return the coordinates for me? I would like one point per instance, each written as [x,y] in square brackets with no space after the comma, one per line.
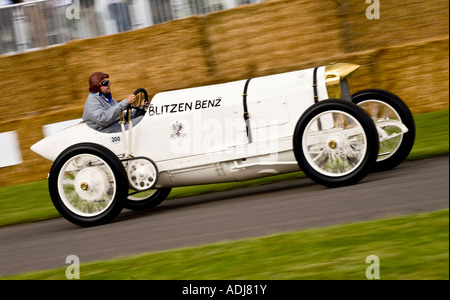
[101,111]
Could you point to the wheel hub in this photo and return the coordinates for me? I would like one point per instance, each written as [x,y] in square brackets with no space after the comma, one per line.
[84,186]
[90,184]
[335,142]
[142,174]
[332,144]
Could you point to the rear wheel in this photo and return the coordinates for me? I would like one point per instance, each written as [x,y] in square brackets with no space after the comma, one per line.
[394,122]
[88,185]
[335,143]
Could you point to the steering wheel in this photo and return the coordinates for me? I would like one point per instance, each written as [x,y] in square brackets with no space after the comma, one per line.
[139,92]
[140,110]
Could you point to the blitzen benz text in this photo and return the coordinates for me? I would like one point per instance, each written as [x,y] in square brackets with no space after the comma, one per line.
[183,106]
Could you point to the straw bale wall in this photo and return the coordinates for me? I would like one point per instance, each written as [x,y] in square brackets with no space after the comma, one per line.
[405,51]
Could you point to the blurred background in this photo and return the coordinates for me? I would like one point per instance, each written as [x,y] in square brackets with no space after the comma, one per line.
[30,25]
[49,48]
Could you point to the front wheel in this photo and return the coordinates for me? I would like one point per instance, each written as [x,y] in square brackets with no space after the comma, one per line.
[88,184]
[335,143]
[394,122]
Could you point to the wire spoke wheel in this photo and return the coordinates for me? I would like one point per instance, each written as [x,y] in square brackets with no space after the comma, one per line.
[390,135]
[335,143]
[88,184]
[394,123]
[338,148]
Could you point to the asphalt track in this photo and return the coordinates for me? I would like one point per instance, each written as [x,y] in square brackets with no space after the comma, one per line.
[412,187]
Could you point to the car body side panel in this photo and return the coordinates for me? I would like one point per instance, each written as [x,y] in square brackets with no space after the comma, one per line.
[192,122]
[199,135]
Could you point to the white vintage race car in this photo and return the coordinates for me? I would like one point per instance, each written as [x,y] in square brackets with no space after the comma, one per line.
[302,120]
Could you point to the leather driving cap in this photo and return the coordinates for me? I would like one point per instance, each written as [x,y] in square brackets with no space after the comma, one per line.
[94,81]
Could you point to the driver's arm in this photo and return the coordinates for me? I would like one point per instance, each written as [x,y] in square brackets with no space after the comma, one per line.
[98,112]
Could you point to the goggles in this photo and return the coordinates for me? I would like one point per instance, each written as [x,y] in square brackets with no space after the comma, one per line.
[105,82]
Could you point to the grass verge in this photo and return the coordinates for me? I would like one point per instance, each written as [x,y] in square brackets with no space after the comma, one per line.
[408,247]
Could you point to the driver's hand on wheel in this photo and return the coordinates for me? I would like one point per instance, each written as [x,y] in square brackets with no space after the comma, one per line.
[131,98]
